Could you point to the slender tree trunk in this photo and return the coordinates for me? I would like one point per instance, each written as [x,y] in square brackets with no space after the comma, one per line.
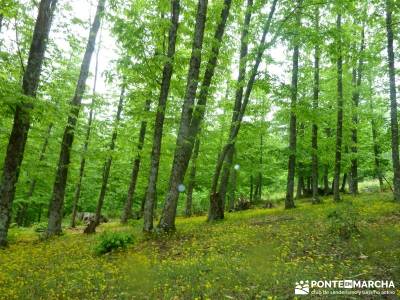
[251,188]
[159,122]
[300,185]
[357,76]
[232,190]
[314,138]
[1,22]
[339,126]
[216,211]
[376,147]
[289,202]
[57,199]
[21,124]
[344,181]
[91,228]
[77,192]
[393,102]
[192,179]
[127,212]
[22,214]
[260,177]
[184,151]
[226,169]
[180,164]
[326,180]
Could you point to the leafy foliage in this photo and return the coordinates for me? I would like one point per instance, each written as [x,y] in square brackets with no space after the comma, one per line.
[110,241]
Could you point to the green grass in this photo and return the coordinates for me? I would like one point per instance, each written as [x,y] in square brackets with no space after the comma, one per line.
[254,254]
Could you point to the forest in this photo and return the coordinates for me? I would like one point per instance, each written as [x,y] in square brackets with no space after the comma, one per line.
[199,149]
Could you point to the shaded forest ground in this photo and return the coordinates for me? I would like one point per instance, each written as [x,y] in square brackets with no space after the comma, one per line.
[254,254]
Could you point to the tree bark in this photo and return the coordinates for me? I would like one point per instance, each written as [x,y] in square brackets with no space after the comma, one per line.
[21,124]
[57,199]
[289,201]
[159,122]
[357,76]
[251,188]
[314,136]
[183,153]
[326,180]
[180,164]
[91,228]
[339,126]
[127,212]
[227,165]
[344,181]
[192,179]
[216,211]
[77,192]
[22,214]
[376,146]
[300,185]
[393,103]
[232,190]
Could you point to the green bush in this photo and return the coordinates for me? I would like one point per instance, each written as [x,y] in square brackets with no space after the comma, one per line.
[109,241]
[40,227]
[343,220]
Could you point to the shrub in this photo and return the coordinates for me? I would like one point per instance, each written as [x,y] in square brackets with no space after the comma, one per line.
[40,227]
[343,220]
[109,241]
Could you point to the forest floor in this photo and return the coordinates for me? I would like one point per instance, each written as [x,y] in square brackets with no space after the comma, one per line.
[253,254]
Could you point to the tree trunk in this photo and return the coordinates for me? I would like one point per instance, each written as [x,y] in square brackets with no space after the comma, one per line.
[300,185]
[1,22]
[393,103]
[326,180]
[127,212]
[289,202]
[77,192]
[232,190]
[226,169]
[21,124]
[159,122]
[376,146]
[314,136]
[217,214]
[21,215]
[192,179]
[184,151]
[344,180]
[357,75]
[180,165]
[91,228]
[57,199]
[251,188]
[339,126]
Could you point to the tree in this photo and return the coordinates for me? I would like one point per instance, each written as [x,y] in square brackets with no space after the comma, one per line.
[394,127]
[183,153]
[57,198]
[357,76]
[216,211]
[91,228]
[77,192]
[127,212]
[20,129]
[289,202]
[192,179]
[244,41]
[314,139]
[160,116]
[339,123]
